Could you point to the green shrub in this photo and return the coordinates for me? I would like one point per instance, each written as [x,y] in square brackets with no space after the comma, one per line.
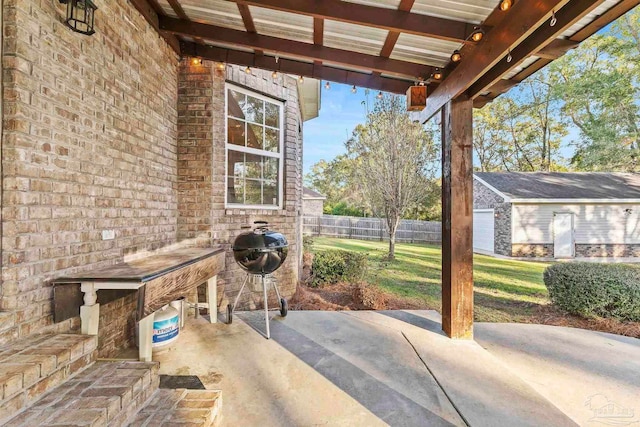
[307,243]
[333,266]
[591,289]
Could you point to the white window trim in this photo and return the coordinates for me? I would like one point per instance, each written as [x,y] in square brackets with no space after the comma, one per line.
[280,155]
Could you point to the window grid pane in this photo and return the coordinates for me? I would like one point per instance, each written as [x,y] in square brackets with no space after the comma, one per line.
[254,123]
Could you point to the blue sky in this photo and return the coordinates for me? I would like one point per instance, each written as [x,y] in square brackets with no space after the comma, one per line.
[340,112]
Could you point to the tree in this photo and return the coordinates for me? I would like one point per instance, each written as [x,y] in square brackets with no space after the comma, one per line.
[599,84]
[391,158]
[522,130]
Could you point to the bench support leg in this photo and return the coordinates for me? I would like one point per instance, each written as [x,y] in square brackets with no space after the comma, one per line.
[212,298]
[90,311]
[145,335]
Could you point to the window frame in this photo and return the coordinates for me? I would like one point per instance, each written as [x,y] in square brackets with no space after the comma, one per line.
[248,150]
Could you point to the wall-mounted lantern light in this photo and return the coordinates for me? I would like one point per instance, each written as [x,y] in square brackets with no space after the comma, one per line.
[80,15]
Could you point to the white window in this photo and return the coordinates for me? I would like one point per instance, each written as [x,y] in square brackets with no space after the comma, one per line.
[254,148]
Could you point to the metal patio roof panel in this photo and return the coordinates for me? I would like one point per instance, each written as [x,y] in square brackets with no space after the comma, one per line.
[590,17]
[423,50]
[472,11]
[530,60]
[354,37]
[284,25]
[215,12]
[387,4]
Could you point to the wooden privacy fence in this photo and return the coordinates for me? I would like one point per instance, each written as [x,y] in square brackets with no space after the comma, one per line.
[350,227]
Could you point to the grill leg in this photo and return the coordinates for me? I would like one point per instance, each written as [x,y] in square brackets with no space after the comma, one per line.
[239,293]
[275,286]
[266,308]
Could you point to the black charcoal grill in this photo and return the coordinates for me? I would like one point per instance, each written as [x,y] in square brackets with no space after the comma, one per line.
[260,252]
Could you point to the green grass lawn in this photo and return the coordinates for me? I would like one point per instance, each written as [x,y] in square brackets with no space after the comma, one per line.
[505,291]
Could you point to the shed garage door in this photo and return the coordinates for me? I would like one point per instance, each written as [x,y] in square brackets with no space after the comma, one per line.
[483,229]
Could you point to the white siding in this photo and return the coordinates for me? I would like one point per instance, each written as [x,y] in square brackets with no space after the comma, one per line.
[603,223]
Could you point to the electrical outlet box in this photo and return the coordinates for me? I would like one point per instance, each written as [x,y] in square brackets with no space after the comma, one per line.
[108,234]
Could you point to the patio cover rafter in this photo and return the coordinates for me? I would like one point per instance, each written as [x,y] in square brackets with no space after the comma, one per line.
[299,68]
[285,47]
[150,11]
[371,16]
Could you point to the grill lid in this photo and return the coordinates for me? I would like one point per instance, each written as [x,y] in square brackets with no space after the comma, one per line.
[260,239]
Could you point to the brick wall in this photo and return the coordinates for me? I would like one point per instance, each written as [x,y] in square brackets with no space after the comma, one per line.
[312,207]
[533,250]
[89,143]
[484,198]
[607,250]
[201,140]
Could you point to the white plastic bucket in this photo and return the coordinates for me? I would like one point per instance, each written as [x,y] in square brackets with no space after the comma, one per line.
[166,326]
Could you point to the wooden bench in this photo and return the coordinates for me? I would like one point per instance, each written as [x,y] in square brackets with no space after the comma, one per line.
[158,279]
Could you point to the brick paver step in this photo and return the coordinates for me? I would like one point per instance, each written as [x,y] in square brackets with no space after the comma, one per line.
[108,393]
[32,366]
[181,407]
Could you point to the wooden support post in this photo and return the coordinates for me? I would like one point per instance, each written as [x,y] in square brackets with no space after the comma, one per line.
[457,219]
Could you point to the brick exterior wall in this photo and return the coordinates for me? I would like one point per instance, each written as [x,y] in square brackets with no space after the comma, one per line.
[113,132]
[201,147]
[484,198]
[312,207]
[607,250]
[88,144]
[533,250]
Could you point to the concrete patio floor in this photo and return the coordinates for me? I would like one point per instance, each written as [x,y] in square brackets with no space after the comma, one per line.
[366,368]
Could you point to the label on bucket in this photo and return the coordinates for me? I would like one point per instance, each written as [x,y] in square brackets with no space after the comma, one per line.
[164,330]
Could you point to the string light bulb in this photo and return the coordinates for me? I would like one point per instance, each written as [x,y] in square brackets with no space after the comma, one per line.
[505,5]
[437,74]
[274,75]
[379,95]
[456,56]
[247,70]
[327,85]
[353,89]
[477,34]
[300,79]
[197,61]
[554,20]
[509,57]
[221,66]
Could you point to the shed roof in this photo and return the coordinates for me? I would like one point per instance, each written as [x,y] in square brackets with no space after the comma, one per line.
[308,193]
[564,185]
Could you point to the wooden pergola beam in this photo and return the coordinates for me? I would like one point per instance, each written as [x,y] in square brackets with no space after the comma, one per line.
[295,49]
[371,16]
[541,37]
[524,17]
[298,68]
[150,14]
